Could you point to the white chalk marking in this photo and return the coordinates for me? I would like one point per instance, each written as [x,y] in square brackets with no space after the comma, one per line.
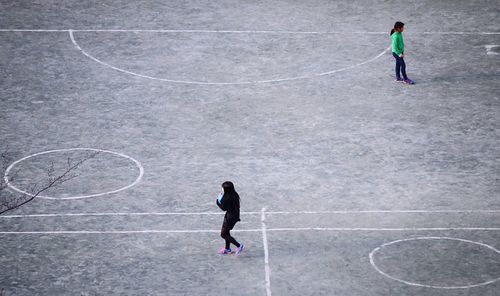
[112,231]
[213,267]
[372,262]
[111,214]
[34,30]
[249,213]
[380,211]
[137,180]
[71,35]
[248,31]
[266,252]
[456,33]
[490,51]
[384,229]
[70,31]
[250,230]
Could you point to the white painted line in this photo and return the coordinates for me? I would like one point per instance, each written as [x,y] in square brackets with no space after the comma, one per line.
[136,162]
[266,253]
[380,211]
[125,71]
[374,251]
[489,49]
[111,214]
[33,30]
[356,65]
[250,213]
[249,31]
[231,31]
[383,229]
[71,35]
[110,231]
[250,230]
[456,33]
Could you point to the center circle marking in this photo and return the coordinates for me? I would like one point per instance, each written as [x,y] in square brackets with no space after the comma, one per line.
[374,251]
[136,162]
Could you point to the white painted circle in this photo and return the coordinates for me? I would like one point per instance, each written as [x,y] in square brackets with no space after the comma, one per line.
[372,262]
[136,162]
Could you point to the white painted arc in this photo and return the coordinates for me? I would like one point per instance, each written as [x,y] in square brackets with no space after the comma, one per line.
[374,251]
[220,83]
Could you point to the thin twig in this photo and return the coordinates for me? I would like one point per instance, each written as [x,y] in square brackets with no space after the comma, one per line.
[54,181]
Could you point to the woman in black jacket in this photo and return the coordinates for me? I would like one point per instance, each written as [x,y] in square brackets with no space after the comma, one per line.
[229,201]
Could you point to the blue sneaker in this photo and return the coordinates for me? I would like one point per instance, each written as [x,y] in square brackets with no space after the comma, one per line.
[409,81]
[399,80]
[240,249]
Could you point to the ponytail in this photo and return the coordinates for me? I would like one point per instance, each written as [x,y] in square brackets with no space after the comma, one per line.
[397,26]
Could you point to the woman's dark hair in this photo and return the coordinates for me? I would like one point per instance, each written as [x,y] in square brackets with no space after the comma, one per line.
[230,193]
[397,26]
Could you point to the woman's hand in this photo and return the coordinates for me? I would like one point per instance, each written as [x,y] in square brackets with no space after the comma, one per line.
[402,56]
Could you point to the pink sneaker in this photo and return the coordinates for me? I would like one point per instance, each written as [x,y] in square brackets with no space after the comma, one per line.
[223,251]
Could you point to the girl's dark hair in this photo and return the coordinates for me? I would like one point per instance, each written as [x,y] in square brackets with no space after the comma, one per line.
[397,26]
[231,193]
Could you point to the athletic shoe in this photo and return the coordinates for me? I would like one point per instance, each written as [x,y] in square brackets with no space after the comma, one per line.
[240,249]
[409,81]
[224,251]
[399,80]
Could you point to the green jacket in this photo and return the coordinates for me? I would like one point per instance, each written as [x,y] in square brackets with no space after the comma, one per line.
[398,46]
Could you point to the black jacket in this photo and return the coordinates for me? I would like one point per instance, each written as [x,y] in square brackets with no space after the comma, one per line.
[231,208]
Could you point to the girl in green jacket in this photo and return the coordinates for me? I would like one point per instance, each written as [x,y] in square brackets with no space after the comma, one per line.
[398,49]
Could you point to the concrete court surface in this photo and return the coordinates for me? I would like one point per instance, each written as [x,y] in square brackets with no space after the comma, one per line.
[351,184]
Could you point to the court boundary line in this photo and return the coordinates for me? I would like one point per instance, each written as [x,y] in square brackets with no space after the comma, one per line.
[249,31]
[266,252]
[340,229]
[250,213]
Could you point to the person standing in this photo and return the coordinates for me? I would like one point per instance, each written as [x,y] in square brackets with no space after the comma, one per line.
[398,49]
[229,201]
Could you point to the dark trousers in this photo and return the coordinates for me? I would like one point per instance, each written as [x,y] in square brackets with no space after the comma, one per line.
[227,225]
[400,66]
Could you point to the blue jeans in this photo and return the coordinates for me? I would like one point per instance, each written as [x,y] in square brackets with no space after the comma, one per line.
[400,66]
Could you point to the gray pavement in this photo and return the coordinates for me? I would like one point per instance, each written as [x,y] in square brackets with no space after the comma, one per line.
[301,123]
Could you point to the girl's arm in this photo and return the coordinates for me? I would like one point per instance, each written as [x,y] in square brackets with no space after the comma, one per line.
[401,46]
[219,202]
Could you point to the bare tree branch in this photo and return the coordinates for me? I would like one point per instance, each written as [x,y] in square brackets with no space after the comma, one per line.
[52,182]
